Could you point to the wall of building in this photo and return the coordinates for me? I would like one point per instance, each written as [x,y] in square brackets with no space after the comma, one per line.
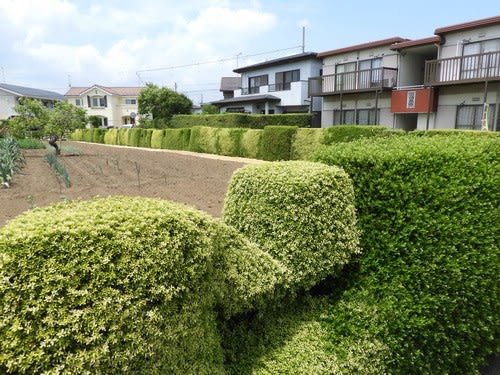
[7,103]
[455,41]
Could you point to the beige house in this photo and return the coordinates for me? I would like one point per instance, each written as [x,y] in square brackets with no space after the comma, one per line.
[115,106]
[448,80]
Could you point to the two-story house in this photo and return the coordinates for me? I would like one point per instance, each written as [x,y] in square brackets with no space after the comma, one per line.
[272,87]
[10,95]
[448,80]
[114,106]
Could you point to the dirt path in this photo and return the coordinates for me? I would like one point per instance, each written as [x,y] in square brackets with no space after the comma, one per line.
[195,179]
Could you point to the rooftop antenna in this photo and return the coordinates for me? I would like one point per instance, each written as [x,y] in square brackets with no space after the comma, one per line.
[69,80]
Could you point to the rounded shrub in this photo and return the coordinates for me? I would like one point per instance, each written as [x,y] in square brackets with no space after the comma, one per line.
[117,285]
[157,138]
[111,136]
[301,213]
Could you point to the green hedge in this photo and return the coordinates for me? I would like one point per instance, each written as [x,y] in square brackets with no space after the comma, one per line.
[250,143]
[428,286]
[349,133]
[305,142]
[240,120]
[176,139]
[301,213]
[145,138]
[448,132]
[77,135]
[111,137]
[122,285]
[87,135]
[98,135]
[157,137]
[123,137]
[134,137]
[203,139]
[276,142]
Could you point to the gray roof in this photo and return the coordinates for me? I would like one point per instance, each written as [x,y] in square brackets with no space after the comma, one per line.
[278,61]
[248,98]
[30,92]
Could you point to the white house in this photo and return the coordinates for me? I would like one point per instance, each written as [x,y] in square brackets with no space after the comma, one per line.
[272,87]
[10,95]
[115,106]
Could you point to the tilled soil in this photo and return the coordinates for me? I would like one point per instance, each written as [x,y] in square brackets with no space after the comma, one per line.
[198,180]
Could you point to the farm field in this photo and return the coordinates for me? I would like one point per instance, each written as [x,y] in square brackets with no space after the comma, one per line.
[97,170]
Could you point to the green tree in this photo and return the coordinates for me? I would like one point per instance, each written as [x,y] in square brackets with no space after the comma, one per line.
[31,119]
[65,118]
[162,102]
[209,109]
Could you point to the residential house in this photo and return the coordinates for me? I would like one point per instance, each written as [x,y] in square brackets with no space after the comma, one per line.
[272,87]
[448,80]
[114,106]
[10,95]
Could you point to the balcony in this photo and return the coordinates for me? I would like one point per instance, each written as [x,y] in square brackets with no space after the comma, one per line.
[285,86]
[357,81]
[463,69]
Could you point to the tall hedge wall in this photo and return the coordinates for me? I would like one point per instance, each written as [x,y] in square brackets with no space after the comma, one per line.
[176,139]
[122,285]
[301,213]
[428,285]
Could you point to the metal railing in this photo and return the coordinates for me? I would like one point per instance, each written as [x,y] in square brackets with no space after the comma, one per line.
[359,80]
[462,69]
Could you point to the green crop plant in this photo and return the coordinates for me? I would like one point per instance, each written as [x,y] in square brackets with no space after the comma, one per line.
[59,169]
[11,160]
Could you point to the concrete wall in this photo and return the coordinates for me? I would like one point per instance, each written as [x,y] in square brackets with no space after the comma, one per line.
[7,103]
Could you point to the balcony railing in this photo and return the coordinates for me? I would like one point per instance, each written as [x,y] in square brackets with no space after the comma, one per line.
[463,69]
[359,80]
[250,90]
[285,86]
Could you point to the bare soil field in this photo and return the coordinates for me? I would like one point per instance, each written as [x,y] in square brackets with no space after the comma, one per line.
[198,180]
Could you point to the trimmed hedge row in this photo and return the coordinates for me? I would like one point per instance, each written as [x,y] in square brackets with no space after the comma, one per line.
[240,120]
[428,285]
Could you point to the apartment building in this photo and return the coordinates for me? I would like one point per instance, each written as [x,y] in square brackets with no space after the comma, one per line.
[114,106]
[448,80]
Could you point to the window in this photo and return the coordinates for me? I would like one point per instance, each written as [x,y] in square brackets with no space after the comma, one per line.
[78,102]
[345,78]
[370,74]
[98,102]
[283,80]
[470,117]
[254,83]
[358,117]
[131,101]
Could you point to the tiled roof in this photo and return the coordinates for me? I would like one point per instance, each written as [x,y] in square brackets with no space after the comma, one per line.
[31,92]
[468,25]
[120,91]
[279,61]
[358,47]
[417,42]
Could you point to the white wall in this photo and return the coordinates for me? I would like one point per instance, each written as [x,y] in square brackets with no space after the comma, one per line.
[7,103]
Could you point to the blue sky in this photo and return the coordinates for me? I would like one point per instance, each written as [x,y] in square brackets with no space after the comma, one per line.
[191,44]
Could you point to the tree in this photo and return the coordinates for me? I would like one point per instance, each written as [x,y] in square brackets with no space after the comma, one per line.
[209,109]
[31,119]
[64,118]
[162,102]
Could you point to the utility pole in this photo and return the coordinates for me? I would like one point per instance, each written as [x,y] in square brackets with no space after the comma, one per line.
[3,75]
[303,39]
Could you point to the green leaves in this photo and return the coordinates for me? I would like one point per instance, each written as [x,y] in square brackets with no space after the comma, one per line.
[162,102]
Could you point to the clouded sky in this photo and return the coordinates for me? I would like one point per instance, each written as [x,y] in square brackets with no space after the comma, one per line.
[191,44]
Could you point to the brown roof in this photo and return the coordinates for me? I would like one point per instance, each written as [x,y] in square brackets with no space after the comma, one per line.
[377,43]
[120,91]
[417,42]
[468,25]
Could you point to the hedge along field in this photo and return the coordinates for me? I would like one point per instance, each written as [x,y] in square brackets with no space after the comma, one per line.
[428,286]
[138,285]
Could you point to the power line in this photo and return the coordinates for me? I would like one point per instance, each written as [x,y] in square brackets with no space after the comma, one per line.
[213,61]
